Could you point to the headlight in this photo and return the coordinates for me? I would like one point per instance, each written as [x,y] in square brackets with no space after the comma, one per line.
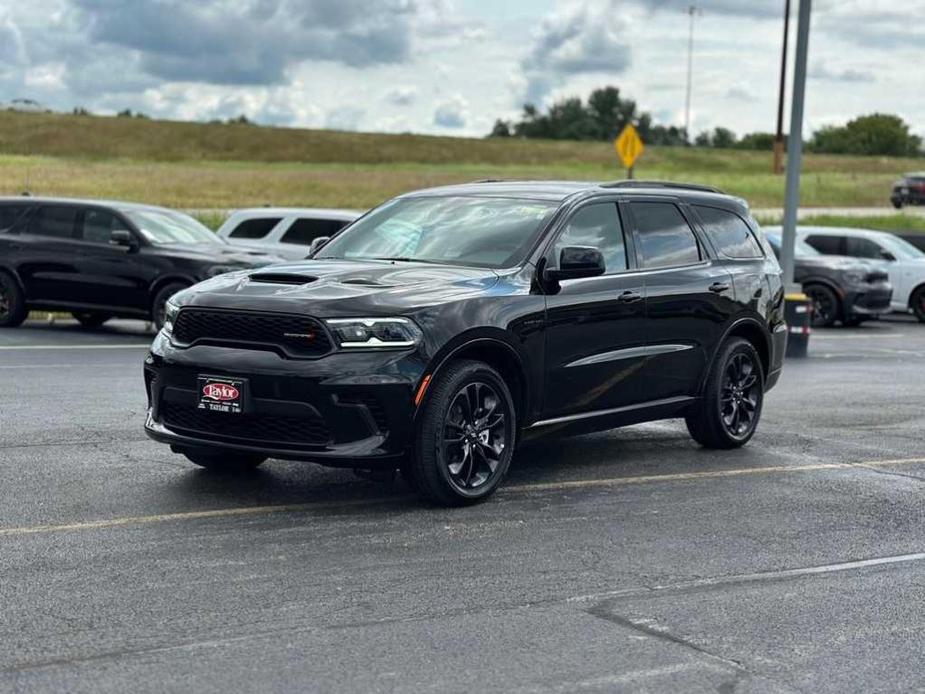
[854,278]
[220,270]
[170,316]
[379,333]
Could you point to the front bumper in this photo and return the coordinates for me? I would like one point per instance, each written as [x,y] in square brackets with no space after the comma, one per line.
[868,302]
[345,409]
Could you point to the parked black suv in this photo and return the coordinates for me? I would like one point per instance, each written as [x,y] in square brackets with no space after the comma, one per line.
[441,328]
[909,190]
[104,259]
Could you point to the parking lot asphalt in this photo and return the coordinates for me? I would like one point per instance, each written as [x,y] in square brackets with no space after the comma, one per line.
[628,560]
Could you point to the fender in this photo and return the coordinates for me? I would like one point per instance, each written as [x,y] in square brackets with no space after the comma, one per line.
[167,279]
[825,281]
[493,337]
[737,323]
[8,269]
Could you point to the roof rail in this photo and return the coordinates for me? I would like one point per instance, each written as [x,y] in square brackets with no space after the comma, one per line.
[632,183]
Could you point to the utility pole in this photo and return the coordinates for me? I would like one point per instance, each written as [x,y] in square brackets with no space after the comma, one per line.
[795,145]
[779,138]
[692,10]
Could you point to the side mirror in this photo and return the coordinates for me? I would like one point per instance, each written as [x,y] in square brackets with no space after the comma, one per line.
[576,262]
[123,237]
[886,255]
[316,245]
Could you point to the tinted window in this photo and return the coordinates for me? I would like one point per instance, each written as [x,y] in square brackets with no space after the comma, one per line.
[829,245]
[10,213]
[665,238]
[54,221]
[304,231]
[729,233]
[254,228]
[98,226]
[863,248]
[597,226]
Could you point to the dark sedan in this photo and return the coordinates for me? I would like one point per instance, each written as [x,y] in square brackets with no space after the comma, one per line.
[843,289]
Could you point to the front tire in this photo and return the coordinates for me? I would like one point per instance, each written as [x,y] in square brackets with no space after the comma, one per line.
[159,305]
[826,306]
[91,319]
[917,303]
[732,399]
[218,461]
[466,435]
[13,309]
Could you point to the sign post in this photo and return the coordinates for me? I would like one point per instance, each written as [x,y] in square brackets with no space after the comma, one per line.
[629,147]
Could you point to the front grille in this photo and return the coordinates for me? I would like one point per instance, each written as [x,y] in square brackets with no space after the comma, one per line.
[248,427]
[296,336]
[876,276]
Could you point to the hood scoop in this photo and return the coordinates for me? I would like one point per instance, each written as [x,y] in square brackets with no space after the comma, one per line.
[363,282]
[282,278]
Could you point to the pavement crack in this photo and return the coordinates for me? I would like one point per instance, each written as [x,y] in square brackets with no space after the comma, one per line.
[890,473]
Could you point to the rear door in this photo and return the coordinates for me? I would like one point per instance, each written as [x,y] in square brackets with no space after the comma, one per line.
[689,297]
[595,334]
[48,253]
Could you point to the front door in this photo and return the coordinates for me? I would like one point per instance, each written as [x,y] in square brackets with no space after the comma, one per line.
[595,334]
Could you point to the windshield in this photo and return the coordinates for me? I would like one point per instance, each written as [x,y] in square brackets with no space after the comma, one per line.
[902,249]
[800,247]
[472,231]
[165,226]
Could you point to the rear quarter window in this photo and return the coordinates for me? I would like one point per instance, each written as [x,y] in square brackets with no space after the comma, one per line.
[256,228]
[729,233]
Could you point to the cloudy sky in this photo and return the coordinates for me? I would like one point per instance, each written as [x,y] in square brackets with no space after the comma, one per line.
[453,66]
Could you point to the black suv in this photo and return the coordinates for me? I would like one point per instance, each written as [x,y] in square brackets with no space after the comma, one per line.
[909,190]
[445,326]
[100,259]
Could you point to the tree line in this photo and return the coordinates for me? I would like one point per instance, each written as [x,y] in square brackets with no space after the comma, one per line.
[606,113]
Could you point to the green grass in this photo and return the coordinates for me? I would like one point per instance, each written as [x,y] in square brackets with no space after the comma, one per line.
[218,166]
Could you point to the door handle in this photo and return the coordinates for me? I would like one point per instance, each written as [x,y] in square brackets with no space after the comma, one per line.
[629,297]
[719,287]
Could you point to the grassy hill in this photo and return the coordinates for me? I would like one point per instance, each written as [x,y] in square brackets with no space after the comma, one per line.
[212,165]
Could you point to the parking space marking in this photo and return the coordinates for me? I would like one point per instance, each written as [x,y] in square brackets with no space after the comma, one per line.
[10,348]
[515,489]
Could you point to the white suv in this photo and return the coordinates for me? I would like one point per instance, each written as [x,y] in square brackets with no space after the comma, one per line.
[904,262]
[284,231]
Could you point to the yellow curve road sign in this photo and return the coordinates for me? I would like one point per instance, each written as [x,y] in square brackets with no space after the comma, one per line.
[629,146]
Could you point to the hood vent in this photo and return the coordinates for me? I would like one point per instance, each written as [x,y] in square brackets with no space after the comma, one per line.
[282,278]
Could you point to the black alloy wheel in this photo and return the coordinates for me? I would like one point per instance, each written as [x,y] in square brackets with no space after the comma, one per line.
[12,305]
[465,437]
[826,308]
[740,395]
[730,407]
[474,436]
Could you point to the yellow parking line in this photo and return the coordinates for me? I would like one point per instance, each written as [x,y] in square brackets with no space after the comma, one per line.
[514,489]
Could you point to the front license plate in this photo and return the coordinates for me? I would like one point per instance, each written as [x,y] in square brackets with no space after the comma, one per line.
[222,394]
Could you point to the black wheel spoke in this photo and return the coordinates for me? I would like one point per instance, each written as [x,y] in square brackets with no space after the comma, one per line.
[474,435]
[740,394]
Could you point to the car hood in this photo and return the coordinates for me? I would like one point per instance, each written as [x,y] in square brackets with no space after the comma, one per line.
[220,253]
[341,287]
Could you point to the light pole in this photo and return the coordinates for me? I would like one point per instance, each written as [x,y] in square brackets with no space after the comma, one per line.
[779,137]
[692,11]
[795,145]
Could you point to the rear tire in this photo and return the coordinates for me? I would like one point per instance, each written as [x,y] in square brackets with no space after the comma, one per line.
[465,438]
[917,302]
[898,204]
[91,319]
[160,302]
[13,309]
[826,306]
[732,399]
[224,462]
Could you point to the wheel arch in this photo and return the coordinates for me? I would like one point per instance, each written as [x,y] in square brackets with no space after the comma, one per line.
[11,271]
[497,353]
[749,329]
[162,282]
[917,288]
